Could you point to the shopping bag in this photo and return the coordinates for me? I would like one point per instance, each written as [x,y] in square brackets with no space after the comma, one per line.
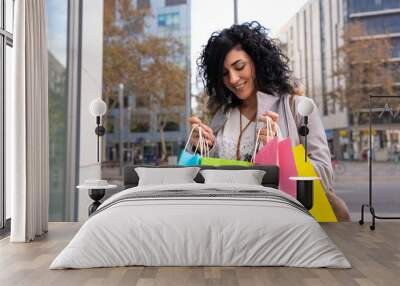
[189,159]
[268,154]
[192,159]
[322,210]
[278,152]
[208,161]
[287,167]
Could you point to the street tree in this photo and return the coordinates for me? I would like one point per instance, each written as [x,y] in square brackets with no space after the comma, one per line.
[146,65]
[201,111]
[163,80]
[123,31]
[363,67]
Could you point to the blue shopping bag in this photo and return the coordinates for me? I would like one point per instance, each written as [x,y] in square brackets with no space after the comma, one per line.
[188,159]
[193,159]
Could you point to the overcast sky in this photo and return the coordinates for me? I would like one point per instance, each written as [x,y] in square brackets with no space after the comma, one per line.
[213,15]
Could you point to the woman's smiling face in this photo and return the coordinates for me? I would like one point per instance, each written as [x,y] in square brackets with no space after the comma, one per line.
[239,73]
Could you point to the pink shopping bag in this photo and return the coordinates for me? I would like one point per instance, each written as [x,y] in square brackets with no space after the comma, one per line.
[287,167]
[268,154]
[279,152]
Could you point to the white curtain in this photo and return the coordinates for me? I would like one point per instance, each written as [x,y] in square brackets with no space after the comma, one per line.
[28,124]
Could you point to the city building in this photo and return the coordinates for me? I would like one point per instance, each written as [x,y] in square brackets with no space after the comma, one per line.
[311,39]
[140,138]
[381,19]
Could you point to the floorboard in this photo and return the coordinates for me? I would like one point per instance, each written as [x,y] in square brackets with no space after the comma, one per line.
[374,255]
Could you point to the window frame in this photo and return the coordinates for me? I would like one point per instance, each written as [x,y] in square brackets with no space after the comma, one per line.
[170,20]
[365,6]
[169,3]
[6,39]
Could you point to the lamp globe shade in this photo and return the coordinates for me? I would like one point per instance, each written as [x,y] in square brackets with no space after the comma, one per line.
[305,106]
[98,107]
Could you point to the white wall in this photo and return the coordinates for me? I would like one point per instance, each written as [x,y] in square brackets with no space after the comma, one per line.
[91,88]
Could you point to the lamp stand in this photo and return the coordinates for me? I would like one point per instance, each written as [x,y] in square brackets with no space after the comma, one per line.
[100,131]
[303,131]
[305,138]
[305,193]
[98,137]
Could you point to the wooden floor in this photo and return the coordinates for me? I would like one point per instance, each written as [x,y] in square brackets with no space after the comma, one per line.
[374,255]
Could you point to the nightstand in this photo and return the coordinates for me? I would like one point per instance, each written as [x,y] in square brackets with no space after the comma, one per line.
[96,193]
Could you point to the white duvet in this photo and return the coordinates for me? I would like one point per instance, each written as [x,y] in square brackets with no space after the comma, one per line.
[200,231]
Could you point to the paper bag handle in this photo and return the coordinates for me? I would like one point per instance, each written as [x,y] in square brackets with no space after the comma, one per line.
[268,124]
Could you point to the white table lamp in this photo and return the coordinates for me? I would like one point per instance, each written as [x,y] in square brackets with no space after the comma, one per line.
[98,108]
[305,107]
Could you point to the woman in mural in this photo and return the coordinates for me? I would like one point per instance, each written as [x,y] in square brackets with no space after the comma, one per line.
[247,79]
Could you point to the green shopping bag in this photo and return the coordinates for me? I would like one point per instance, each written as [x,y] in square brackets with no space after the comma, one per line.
[208,161]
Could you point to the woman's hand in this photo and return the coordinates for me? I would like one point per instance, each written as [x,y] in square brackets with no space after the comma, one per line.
[206,132]
[265,135]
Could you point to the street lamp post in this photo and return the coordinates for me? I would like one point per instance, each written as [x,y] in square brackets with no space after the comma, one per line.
[188,97]
[235,12]
[121,126]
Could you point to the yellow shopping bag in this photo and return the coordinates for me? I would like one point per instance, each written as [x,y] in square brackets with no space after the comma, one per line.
[322,210]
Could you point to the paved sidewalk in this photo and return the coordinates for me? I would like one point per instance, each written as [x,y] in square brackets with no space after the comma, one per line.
[359,171]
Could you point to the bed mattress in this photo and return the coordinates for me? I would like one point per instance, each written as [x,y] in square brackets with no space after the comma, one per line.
[201,225]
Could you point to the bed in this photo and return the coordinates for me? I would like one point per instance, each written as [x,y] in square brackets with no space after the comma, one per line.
[201,224]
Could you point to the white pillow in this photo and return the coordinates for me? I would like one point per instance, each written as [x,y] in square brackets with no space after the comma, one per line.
[163,176]
[248,177]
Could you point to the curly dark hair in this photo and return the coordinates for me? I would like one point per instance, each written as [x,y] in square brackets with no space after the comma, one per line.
[271,65]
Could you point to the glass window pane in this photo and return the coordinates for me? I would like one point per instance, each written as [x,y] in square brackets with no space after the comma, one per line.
[161,20]
[57,44]
[9,15]
[396,47]
[174,2]
[381,24]
[357,6]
